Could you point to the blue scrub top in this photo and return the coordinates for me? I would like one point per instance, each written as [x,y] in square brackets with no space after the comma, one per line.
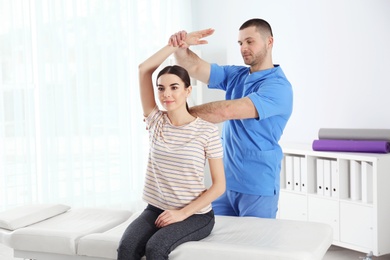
[252,152]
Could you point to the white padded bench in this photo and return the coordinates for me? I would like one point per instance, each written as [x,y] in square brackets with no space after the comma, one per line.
[94,234]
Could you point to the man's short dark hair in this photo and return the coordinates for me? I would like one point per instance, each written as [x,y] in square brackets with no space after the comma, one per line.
[262,26]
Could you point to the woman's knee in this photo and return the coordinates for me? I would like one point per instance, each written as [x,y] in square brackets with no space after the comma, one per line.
[124,252]
[129,251]
[156,250]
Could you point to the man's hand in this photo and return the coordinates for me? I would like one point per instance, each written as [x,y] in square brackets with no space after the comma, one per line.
[183,39]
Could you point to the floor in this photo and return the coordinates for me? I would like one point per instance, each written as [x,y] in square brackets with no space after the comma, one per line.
[334,253]
[339,253]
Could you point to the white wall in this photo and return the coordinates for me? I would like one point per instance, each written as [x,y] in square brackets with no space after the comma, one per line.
[336,53]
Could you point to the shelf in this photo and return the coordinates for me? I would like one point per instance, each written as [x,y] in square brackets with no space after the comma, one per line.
[348,191]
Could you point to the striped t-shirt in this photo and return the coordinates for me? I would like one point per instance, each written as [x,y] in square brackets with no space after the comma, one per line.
[177,157]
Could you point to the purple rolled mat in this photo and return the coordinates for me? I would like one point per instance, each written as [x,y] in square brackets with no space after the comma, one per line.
[364,146]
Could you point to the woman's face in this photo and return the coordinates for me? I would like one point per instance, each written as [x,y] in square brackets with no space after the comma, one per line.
[172,92]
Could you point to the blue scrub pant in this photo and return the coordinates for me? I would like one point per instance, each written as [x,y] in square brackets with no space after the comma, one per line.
[233,203]
[142,237]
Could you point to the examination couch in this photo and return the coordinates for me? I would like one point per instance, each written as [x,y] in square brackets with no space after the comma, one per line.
[59,232]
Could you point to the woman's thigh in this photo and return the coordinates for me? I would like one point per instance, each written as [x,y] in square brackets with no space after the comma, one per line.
[137,234]
[194,228]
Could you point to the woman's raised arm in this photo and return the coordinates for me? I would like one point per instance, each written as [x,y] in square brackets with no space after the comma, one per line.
[146,70]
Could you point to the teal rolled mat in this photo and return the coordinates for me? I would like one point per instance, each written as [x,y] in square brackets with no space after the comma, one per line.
[354,134]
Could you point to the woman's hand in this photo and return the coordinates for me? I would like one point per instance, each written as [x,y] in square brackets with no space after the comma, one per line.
[169,217]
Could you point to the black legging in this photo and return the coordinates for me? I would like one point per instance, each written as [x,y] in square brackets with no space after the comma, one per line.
[142,237]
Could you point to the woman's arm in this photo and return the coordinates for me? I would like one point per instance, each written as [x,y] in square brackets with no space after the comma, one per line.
[147,68]
[145,71]
[216,189]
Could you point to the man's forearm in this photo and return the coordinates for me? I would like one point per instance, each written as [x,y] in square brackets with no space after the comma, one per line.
[186,58]
[219,111]
[212,112]
[196,67]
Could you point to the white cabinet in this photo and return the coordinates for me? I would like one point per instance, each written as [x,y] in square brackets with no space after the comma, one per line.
[348,191]
[292,206]
[356,224]
[325,211]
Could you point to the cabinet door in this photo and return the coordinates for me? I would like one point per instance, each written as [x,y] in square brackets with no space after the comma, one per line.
[325,211]
[356,224]
[292,206]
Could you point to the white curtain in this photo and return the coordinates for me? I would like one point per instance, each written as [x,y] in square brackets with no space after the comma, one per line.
[71,125]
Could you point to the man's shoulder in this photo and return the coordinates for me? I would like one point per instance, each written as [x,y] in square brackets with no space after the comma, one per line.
[231,68]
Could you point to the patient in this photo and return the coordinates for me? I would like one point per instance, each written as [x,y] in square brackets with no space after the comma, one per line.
[179,205]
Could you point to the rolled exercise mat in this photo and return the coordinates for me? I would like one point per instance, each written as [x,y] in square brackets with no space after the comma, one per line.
[365,146]
[354,134]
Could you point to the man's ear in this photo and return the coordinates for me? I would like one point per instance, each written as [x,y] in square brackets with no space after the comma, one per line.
[270,41]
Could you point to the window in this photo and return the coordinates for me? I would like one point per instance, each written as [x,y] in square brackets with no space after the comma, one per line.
[71,126]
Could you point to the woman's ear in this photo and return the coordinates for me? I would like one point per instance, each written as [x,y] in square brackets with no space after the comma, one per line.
[189,90]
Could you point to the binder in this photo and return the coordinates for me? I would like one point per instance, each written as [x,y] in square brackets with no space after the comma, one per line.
[289,172]
[355,180]
[297,173]
[303,175]
[327,178]
[367,182]
[344,180]
[320,176]
[335,181]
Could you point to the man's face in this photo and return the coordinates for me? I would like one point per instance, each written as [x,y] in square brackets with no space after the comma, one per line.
[253,46]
